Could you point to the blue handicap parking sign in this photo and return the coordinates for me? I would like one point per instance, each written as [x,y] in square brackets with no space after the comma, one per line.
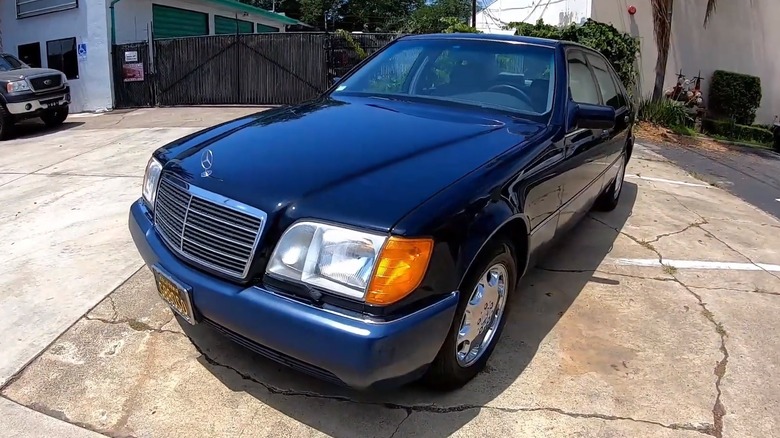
[82,50]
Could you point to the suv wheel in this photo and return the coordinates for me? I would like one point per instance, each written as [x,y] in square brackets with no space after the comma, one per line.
[6,123]
[479,319]
[55,117]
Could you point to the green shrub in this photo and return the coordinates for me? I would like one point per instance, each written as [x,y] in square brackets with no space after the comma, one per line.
[454,25]
[361,53]
[664,112]
[683,130]
[735,96]
[620,49]
[733,131]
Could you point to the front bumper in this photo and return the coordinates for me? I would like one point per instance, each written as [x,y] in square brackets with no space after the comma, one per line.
[29,104]
[343,349]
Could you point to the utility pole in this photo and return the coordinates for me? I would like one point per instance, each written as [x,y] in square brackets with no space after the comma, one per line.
[473,13]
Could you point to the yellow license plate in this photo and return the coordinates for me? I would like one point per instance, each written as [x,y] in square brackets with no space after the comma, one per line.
[175,295]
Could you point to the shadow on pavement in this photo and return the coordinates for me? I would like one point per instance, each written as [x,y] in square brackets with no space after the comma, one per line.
[540,301]
[33,129]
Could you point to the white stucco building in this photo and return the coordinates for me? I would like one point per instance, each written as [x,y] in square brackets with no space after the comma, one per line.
[75,36]
[739,38]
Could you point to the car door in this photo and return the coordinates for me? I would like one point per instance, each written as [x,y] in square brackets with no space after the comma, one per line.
[611,94]
[540,194]
[582,165]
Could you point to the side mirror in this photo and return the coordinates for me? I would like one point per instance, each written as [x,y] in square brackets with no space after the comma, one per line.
[588,116]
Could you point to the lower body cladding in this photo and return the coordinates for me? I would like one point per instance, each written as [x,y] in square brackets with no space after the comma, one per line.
[342,349]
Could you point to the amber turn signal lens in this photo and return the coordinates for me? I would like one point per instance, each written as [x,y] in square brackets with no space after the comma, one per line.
[400,269]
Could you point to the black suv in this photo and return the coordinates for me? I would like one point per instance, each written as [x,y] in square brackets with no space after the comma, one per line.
[27,92]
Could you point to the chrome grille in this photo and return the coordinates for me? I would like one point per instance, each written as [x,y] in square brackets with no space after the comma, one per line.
[42,83]
[207,228]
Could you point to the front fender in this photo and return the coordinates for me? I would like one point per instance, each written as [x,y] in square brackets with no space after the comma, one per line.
[495,218]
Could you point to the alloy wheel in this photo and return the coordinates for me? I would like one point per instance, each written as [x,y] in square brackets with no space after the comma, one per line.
[482,316]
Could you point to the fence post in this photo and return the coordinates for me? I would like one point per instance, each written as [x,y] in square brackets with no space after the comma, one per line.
[238,63]
[328,59]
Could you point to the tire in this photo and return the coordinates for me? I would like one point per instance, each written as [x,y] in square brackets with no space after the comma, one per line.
[6,124]
[54,118]
[449,371]
[609,200]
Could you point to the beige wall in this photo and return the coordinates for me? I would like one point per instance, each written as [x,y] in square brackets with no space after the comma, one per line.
[739,38]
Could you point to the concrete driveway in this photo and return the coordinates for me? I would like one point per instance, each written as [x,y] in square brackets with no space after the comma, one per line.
[65,197]
[657,319]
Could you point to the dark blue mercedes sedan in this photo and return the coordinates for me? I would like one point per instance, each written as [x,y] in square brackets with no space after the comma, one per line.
[374,235]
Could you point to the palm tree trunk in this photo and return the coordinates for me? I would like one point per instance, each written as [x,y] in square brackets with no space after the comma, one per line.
[662,26]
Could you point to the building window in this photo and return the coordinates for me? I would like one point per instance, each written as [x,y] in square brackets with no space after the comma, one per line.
[31,8]
[30,54]
[61,55]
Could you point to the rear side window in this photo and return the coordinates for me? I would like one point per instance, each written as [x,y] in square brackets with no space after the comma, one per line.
[582,87]
[609,90]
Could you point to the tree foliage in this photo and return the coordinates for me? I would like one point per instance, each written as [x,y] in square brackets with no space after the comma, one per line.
[437,16]
[409,16]
[378,15]
[619,48]
[455,25]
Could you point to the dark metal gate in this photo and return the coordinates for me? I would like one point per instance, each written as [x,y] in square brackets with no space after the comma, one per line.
[133,80]
[239,69]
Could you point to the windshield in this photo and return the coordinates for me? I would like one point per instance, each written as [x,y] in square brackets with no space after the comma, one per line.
[498,75]
[8,62]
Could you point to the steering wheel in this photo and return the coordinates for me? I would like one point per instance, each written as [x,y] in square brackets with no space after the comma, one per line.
[514,91]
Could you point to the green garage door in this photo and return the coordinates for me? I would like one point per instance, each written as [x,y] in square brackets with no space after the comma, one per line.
[225,25]
[262,28]
[168,22]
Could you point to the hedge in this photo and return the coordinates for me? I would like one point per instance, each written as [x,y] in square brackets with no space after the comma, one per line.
[619,48]
[732,131]
[735,96]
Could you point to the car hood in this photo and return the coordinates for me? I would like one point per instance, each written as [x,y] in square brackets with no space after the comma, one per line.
[362,161]
[25,72]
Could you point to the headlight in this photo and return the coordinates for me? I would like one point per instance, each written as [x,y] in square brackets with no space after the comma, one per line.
[151,178]
[370,267]
[16,86]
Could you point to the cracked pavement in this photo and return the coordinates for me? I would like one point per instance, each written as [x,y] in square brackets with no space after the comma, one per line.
[593,347]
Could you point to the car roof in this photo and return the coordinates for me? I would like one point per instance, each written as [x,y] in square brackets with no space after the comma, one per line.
[546,42]
[490,37]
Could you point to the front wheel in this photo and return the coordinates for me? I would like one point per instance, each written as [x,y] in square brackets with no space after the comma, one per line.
[55,117]
[479,319]
[6,123]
